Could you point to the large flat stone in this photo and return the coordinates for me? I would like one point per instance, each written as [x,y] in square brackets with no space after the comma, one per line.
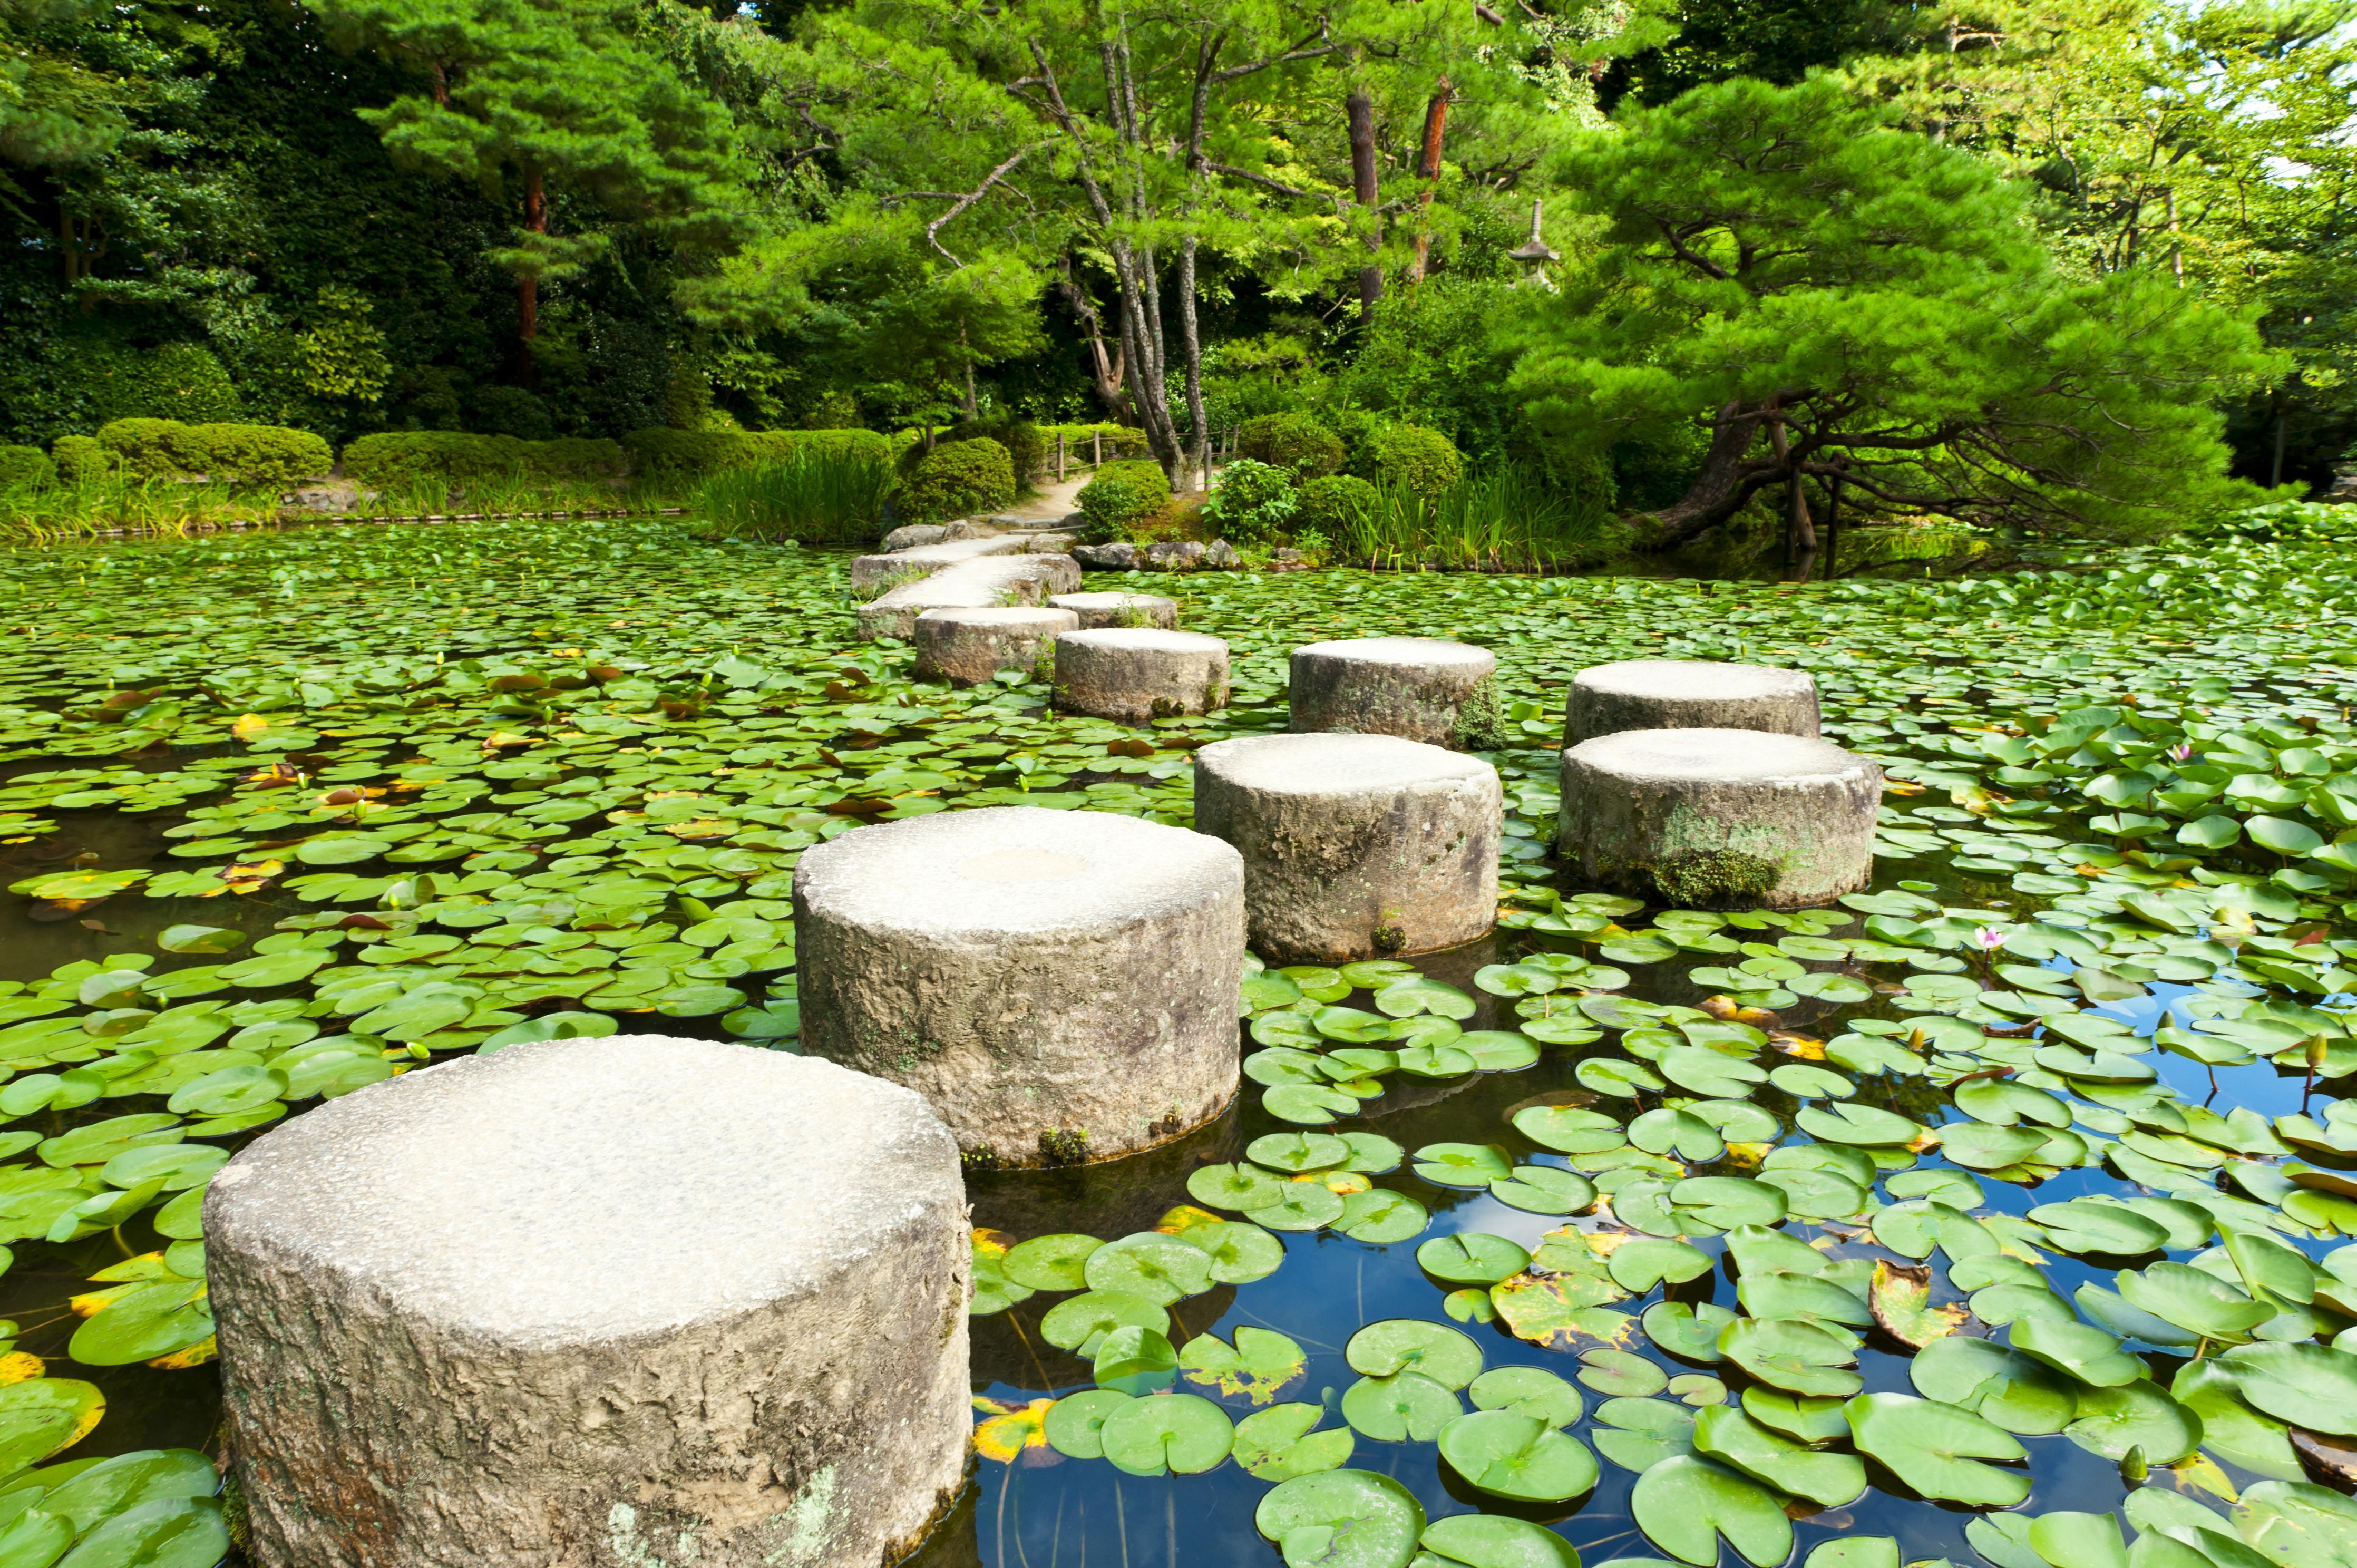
[1418,688]
[1688,694]
[969,647]
[586,1299]
[982,584]
[1029,972]
[923,560]
[1117,672]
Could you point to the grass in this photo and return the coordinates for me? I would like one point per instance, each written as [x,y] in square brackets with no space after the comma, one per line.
[1505,520]
[812,497]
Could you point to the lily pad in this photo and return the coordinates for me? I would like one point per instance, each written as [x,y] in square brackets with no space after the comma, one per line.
[1685,1504]
[1937,1449]
[1509,1454]
[1341,1518]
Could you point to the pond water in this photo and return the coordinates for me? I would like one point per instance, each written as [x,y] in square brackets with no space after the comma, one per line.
[282,815]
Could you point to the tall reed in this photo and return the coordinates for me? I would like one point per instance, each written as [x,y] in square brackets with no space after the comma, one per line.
[814,496]
[1505,520]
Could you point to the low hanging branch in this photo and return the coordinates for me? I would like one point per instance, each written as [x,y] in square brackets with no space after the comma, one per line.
[959,203]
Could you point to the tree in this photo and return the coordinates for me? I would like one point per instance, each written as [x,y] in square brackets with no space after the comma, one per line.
[1830,298]
[534,98]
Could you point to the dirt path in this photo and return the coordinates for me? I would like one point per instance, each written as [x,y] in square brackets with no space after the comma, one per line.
[1053,501]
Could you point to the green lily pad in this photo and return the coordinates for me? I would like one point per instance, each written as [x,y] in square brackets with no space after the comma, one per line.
[1050,1263]
[1685,1504]
[1509,1454]
[2308,1385]
[1412,1344]
[1494,1541]
[1167,1435]
[1471,1258]
[1798,1355]
[1405,1407]
[1281,1443]
[1381,1217]
[1259,1365]
[1152,1267]
[1532,1391]
[1341,1518]
[1937,1449]
[1074,1424]
[1136,1361]
[1726,1434]
[1463,1165]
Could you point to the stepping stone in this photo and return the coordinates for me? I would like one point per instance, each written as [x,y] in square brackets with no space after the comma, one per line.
[1354,846]
[1688,694]
[1135,675]
[969,647]
[1719,818]
[898,566]
[623,1300]
[1061,986]
[1111,609]
[1417,688]
[985,583]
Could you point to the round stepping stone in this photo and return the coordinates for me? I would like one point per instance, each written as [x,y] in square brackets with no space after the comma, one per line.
[1134,610]
[1688,694]
[969,647]
[1719,818]
[1354,846]
[632,1299]
[1418,688]
[1117,672]
[1061,986]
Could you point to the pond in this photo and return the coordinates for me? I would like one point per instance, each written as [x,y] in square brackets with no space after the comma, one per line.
[2047,1129]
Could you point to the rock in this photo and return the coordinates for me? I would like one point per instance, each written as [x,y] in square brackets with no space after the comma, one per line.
[1058,984]
[1719,818]
[970,646]
[610,1301]
[1106,557]
[1418,688]
[1106,609]
[1073,522]
[910,534]
[1175,555]
[1289,560]
[333,500]
[1688,694]
[872,574]
[1136,675]
[963,528]
[992,582]
[1220,555]
[1354,846]
[1051,544]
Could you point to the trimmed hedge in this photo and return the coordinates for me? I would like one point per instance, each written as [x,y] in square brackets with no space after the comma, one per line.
[26,468]
[955,479]
[692,454]
[224,454]
[1027,448]
[1422,460]
[404,456]
[1123,496]
[1292,441]
[1331,504]
[80,459]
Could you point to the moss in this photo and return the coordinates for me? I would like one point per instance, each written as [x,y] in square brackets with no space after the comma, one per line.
[234,1513]
[1389,940]
[1064,1147]
[979,1160]
[1709,877]
[1481,725]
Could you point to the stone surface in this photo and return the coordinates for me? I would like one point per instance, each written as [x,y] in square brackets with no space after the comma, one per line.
[618,1301]
[1220,555]
[910,534]
[1056,543]
[1688,694]
[1106,557]
[992,582]
[869,573]
[1719,818]
[1175,555]
[1029,972]
[969,647]
[1103,610]
[1136,675]
[1417,688]
[1354,846]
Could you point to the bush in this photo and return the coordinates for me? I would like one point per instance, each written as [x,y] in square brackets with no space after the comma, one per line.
[80,459]
[26,468]
[1418,459]
[1252,502]
[1331,504]
[513,411]
[1291,441]
[692,454]
[1026,445]
[225,454]
[1122,497]
[955,479]
[406,457]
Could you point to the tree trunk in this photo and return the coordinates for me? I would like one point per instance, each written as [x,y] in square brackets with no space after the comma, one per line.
[1833,526]
[1104,370]
[1360,109]
[1199,434]
[1141,330]
[973,410]
[535,219]
[1436,120]
[1717,489]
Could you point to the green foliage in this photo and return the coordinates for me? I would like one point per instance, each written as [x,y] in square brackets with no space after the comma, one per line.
[398,457]
[80,459]
[1025,443]
[1717,878]
[1421,460]
[227,453]
[1294,441]
[343,353]
[818,494]
[1825,293]
[1332,504]
[1122,497]
[673,455]
[1114,441]
[513,411]
[1252,502]
[26,468]
[957,478]
[1508,519]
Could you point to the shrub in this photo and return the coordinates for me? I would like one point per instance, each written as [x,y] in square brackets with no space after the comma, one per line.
[80,459]
[404,456]
[1331,504]
[1025,443]
[1293,441]
[1123,495]
[1421,460]
[26,468]
[816,494]
[957,478]
[226,454]
[513,411]
[692,454]
[1252,502]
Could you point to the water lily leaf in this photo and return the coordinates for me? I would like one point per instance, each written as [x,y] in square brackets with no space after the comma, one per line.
[1081,1323]
[1724,1202]
[2298,1524]
[1688,1331]
[1463,1165]
[1402,1408]
[1903,1305]
[1726,1434]
[2082,1227]
[2079,1540]
[1381,1217]
[1307,1205]
[1778,1292]
[1240,1254]
[208,941]
[1806,1417]
[2196,1301]
[1307,1105]
[1620,1374]
[1405,998]
[2231,1430]
[1050,1263]
[1552,1310]
[152,1321]
[1257,1367]
[1798,1355]
[1074,1424]
[1638,1434]
[1509,1454]
[2137,1415]
[40,1416]
[1667,1132]
[1167,1435]
[1861,1124]
[1136,1361]
[2006,1389]
[1710,1073]
[1150,1266]
[1281,1443]
[170,1532]
[1641,1263]
[1531,1390]
[1569,1130]
[1412,1344]
[1341,1518]
[1471,1258]
[2270,1269]
[1805,1080]
[1494,1541]
[1544,1189]
[2308,1385]
[1622,1080]
[1685,1504]
[1937,1448]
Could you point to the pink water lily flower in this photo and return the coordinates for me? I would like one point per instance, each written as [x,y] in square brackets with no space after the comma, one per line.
[1988,939]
